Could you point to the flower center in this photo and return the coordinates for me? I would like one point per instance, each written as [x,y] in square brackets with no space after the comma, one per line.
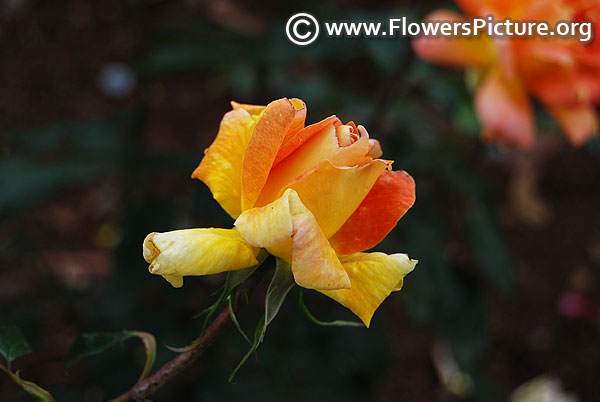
[347,134]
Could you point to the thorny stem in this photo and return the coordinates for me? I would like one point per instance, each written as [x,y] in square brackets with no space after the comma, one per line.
[147,386]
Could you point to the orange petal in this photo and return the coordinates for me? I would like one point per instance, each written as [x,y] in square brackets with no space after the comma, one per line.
[299,119]
[267,137]
[505,111]
[579,123]
[567,87]
[373,276]
[314,263]
[221,167]
[324,145]
[294,142]
[389,199]
[455,51]
[333,193]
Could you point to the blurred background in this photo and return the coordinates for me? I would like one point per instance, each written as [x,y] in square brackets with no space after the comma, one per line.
[105,110]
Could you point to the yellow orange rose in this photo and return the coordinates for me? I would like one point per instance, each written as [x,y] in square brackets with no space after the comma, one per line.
[314,196]
[562,74]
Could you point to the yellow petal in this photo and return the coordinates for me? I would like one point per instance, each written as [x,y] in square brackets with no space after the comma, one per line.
[314,263]
[267,226]
[373,277]
[197,252]
[221,167]
[252,109]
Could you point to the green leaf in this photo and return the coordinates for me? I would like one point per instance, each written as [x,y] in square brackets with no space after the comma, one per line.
[336,323]
[150,347]
[12,346]
[281,283]
[13,343]
[233,280]
[97,342]
[93,343]
[258,333]
[32,388]
[236,323]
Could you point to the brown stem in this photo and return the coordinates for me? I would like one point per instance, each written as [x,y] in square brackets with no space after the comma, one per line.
[147,386]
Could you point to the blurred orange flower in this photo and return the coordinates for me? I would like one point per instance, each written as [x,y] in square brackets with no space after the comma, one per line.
[313,196]
[563,74]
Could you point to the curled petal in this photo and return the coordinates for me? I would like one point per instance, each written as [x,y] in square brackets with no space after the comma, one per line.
[322,146]
[221,167]
[391,196]
[267,137]
[294,142]
[314,263]
[196,252]
[505,111]
[373,276]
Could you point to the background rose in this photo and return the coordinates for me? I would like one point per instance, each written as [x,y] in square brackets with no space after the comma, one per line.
[563,74]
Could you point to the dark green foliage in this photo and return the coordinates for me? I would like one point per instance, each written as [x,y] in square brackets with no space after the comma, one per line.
[13,343]
[93,343]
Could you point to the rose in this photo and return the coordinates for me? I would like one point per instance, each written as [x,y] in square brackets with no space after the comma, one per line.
[314,196]
[562,73]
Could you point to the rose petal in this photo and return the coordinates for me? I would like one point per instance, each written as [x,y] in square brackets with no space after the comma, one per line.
[579,123]
[252,109]
[197,252]
[566,87]
[373,276]
[314,263]
[267,137]
[333,193]
[221,167]
[391,196]
[294,142]
[321,146]
[505,111]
